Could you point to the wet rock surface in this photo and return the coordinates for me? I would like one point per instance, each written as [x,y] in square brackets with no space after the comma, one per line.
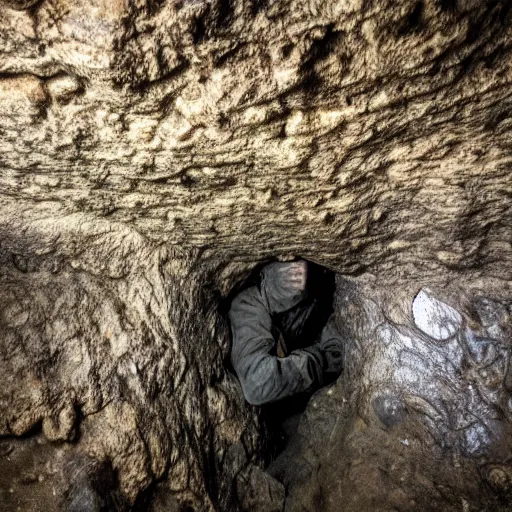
[153,153]
[435,318]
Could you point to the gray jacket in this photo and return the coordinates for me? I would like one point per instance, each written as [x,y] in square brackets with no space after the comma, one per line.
[260,317]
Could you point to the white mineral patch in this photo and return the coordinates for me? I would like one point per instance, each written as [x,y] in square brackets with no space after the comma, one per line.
[435,318]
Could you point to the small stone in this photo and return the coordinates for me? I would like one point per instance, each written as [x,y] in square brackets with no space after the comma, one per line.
[476,440]
[20,262]
[6,449]
[500,478]
[389,409]
[435,318]
[63,86]
[28,477]
[15,315]
[482,351]
[47,181]
[386,333]
[259,491]
[450,258]
[61,427]
[491,312]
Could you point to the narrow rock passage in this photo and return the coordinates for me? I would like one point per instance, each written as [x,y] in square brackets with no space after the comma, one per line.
[153,153]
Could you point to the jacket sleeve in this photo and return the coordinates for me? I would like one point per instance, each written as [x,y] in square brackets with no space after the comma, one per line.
[264,377]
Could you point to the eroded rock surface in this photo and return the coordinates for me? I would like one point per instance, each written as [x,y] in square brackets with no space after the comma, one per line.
[415,422]
[152,153]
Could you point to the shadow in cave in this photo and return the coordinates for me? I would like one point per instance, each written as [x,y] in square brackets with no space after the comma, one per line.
[296,328]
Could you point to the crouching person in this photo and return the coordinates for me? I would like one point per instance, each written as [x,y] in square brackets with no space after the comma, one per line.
[282,345]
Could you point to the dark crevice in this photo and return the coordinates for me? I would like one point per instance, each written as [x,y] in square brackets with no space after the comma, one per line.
[448,5]
[199,32]
[145,85]
[225,13]
[286,50]
[504,13]
[321,48]
[257,6]
[229,55]
[412,21]
[496,117]
[311,84]
[319,51]
[93,485]
[481,25]
[494,57]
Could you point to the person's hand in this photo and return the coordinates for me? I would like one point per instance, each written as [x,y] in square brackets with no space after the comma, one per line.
[332,349]
[333,358]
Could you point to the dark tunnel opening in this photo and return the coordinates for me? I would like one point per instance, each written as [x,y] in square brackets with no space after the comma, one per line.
[295,331]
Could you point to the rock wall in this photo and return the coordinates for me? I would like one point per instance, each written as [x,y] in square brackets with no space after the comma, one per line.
[421,418]
[95,360]
[152,153]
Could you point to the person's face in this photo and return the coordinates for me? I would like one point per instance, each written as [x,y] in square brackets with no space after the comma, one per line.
[293,277]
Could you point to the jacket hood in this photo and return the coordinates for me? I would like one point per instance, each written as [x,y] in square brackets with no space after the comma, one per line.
[279,297]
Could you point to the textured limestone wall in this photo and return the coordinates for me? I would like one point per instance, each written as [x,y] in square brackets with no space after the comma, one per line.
[128,370]
[224,123]
[153,152]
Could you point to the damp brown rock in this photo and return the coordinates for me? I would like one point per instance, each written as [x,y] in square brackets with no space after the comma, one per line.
[153,153]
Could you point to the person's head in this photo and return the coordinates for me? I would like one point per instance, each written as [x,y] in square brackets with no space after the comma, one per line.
[289,283]
[285,284]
